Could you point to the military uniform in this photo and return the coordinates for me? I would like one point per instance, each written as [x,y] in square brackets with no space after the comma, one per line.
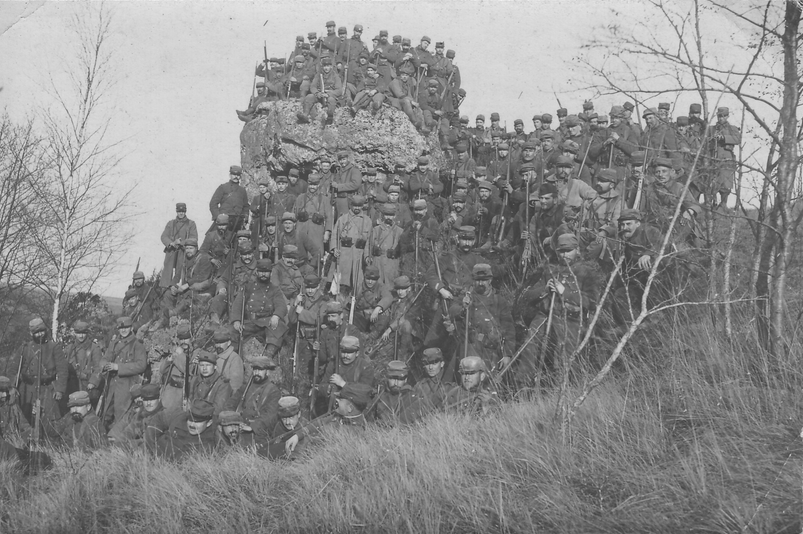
[368,299]
[86,435]
[345,184]
[429,393]
[385,250]
[176,232]
[43,372]
[314,214]
[132,359]
[392,409]
[309,321]
[359,370]
[84,358]
[491,334]
[259,404]
[328,84]
[350,237]
[14,427]
[232,199]
[177,443]
[262,301]
[213,388]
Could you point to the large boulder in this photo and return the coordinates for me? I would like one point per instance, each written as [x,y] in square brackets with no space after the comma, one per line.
[277,141]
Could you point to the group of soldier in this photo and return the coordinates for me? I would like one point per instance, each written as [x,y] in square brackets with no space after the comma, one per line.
[379,295]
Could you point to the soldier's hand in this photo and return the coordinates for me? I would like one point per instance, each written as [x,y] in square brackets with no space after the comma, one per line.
[173,290]
[337,380]
[263,247]
[375,314]
[57,395]
[555,285]
[645,262]
[217,263]
[687,215]
[337,253]
[110,367]
[386,334]
[90,386]
[445,293]
[290,444]
[222,291]
[299,298]
[238,326]
[525,235]
[466,299]
[197,286]
[274,322]
[316,345]
[614,136]
[449,325]
[293,79]
[299,308]
[417,225]
[504,362]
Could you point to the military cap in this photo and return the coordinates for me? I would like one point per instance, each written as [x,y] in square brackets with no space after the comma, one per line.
[305,46]
[471,364]
[483,184]
[394,188]
[570,146]
[371,272]
[723,111]
[496,133]
[547,189]
[222,218]
[358,27]
[630,214]
[572,120]
[564,161]
[221,336]
[592,115]
[183,331]
[529,145]
[293,172]
[419,204]
[648,111]
[264,265]
[494,116]
[288,216]
[425,38]
[397,369]
[262,362]
[290,251]
[466,231]
[546,118]
[566,242]
[371,65]
[5,383]
[423,160]
[387,209]
[602,119]
[464,119]
[563,112]
[260,85]
[208,356]
[311,280]
[401,282]
[537,117]
[432,355]
[280,61]
[398,39]
[461,147]
[518,121]
[230,417]
[326,60]
[299,59]
[370,171]
[357,200]
[270,220]
[503,146]
[135,391]
[461,183]
[273,60]
[243,233]
[333,307]
[482,271]
[481,117]
[358,393]
[637,158]
[299,37]
[201,410]
[406,69]
[587,105]
[433,82]
[547,134]
[289,406]
[130,293]
[480,171]
[343,154]
[383,33]
[80,327]
[79,398]
[609,229]
[450,55]
[459,196]
[181,206]
[662,162]
[375,38]
[350,344]
[617,111]
[124,322]
[607,175]
[682,121]
[664,105]
[312,35]
[235,169]
[342,30]
[245,248]
[150,392]
[314,178]
[628,106]
[282,179]
[695,108]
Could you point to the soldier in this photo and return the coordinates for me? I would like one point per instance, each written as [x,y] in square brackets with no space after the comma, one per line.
[604,209]
[189,433]
[403,217]
[233,433]
[385,241]
[350,368]
[260,106]
[268,245]
[290,433]
[209,383]
[218,242]
[296,82]
[727,137]
[307,251]
[429,393]
[571,191]
[432,110]
[14,427]
[658,139]
[140,312]
[371,90]
[42,379]
[83,356]
[543,223]
[231,198]
[488,210]
[424,183]
[265,310]
[229,362]
[196,279]
[418,241]
[326,88]
[258,400]
[314,214]
[175,234]
[400,95]
[373,300]
[348,241]
[123,362]
[345,183]
[261,206]
[308,315]
[173,369]
[394,404]
[472,395]
[81,428]
[349,408]
[233,280]
[131,433]
[283,200]
[402,324]
[614,152]
[331,40]
[373,191]
[353,48]
[662,197]
[486,321]
[287,276]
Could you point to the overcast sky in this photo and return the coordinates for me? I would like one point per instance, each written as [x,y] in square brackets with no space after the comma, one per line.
[184,67]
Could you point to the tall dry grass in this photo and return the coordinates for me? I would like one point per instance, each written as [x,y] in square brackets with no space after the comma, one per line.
[693,433]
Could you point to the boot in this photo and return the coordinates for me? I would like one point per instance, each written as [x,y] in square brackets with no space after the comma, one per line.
[303,118]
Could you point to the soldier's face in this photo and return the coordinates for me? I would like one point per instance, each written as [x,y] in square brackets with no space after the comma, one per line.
[466,243]
[651,120]
[503,153]
[480,123]
[603,187]
[627,228]
[181,215]
[333,318]
[139,282]
[312,188]
[485,194]
[232,431]
[528,153]
[288,225]
[561,120]
[271,228]
[404,77]
[132,301]
[80,336]
[546,201]
[722,119]
[562,172]
[471,380]
[370,283]
[310,291]
[519,128]
[195,428]
[263,189]
[462,157]
[234,178]
[626,114]
[594,123]
[403,292]
[548,143]
[344,407]
[206,369]
[458,206]
[616,121]
[330,30]
[433,369]
[568,256]
[663,174]
[221,347]
[393,197]
[4,398]
[282,186]
[150,404]
[289,262]
[327,69]
[481,286]
[537,124]
[424,45]
[663,113]
[124,331]
[395,384]
[694,115]
[79,412]
[221,228]
[682,129]
[575,130]
[347,357]
[290,422]
[260,375]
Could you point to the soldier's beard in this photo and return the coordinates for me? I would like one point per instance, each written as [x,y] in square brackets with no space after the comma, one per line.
[77,417]
[259,379]
[480,289]
[389,222]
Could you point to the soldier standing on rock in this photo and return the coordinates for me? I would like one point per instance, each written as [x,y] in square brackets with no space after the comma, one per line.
[175,234]
[348,241]
[231,198]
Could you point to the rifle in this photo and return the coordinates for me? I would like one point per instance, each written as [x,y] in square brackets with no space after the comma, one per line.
[580,170]
[558,99]
[346,71]
[415,279]
[465,340]
[316,370]
[518,353]
[142,304]
[525,260]
[242,316]
[37,406]
[637,200]
[265,52]
[254,87]
[137,267]
[542,354]
[186,396]
[337,371]
[295,360]
[245,392]
[19,372]
[448,81]
[290,81]
[101,405]
[440,279]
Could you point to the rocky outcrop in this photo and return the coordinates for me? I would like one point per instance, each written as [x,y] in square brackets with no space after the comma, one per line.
[276,141]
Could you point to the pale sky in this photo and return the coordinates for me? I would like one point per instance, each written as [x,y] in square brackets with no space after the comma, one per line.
[184,67]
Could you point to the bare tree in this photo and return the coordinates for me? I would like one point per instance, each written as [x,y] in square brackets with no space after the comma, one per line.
[82,230]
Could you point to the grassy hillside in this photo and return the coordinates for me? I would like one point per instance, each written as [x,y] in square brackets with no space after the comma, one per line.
[697,435]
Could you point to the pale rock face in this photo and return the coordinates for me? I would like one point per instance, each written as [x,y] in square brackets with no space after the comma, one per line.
[277,141]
